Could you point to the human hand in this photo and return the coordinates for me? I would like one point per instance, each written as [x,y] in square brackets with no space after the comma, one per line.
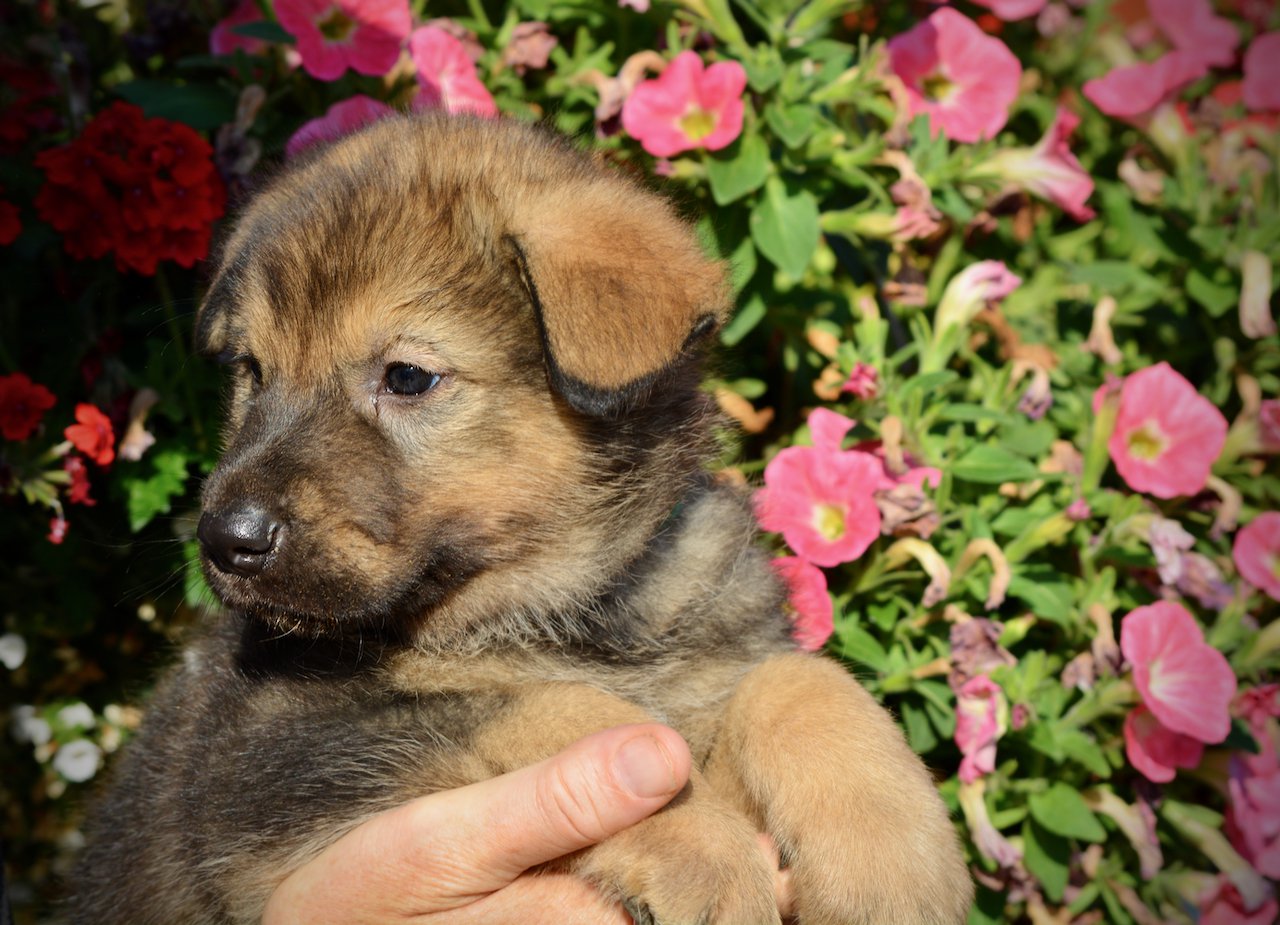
[459,857]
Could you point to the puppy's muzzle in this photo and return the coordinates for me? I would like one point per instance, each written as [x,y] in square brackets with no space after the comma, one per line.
[240,540]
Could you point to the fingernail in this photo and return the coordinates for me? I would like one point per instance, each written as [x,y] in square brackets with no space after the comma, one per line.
[643,767]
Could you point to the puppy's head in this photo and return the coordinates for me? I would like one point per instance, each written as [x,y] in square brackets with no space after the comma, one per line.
[464,369]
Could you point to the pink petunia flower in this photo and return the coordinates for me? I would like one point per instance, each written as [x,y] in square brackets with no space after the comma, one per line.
[334,35]
[1167,435]
[1222,904]
[863,382]
[1261,88]
[687,106]
[222,41]
[1011,10]
[341,119]
[1257,553]
[981,718]
[810,603]
[1048,170]
[1253,816]
[964,79]
[1193,27]
[1135,90]
[820,498]
[1156,751]
[1183,680]
[447,77]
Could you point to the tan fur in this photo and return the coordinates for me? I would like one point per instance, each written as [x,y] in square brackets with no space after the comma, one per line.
[463,581]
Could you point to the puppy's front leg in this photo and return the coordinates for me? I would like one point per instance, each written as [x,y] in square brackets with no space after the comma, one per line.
[811,755]
[695,861]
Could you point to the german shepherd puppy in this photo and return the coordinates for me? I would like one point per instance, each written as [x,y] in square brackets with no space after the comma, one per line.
[462,521]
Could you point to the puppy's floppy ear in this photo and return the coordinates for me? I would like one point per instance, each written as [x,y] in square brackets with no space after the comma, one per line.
[622,289]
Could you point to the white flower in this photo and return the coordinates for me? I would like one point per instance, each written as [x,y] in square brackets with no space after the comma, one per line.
[78,761]
[77,716]
[13,651]
[27,727]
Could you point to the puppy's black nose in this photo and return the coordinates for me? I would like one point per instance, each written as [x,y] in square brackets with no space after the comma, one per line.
[239,540]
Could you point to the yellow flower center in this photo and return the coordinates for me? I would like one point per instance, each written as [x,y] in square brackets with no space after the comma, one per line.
[828,520]
[937,87]
[697,123]
[1147,442]
[336,26]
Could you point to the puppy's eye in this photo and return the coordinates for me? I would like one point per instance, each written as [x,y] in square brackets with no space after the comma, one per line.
[407,379]
[231,358]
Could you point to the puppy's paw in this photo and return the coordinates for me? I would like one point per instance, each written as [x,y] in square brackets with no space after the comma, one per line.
[691,865]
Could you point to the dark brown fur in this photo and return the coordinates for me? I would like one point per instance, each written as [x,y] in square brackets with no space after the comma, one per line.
[466,580]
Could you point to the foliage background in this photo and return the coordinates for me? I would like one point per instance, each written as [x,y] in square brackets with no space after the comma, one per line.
[828,282]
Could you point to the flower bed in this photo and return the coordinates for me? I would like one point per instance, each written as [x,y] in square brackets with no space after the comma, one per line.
[1004,369]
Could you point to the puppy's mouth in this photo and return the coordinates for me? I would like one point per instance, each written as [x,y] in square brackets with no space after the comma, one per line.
[270,569]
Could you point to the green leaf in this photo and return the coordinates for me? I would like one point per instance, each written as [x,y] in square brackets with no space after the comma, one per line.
[784,225]
[748,316]
[859,645]
[201,106]
[1049,601]
[987,908]
[738,170]
[1216,298]
[1081,747]
[1047,857]
[265,31]
[1062,810]
[991,465]
[764,68]
[1028,438]
[152,496]
[920,732]
[792,124]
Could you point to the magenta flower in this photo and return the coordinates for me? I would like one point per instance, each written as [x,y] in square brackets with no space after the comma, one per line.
[1261,88]
[1167,435]
[687,107]
[447,77]
[1156,751]
[334,35]
[222,41]
[1257,553]
[981,718]
[1011,10]
[964,79]
[1192,27]
[1048,170]
[820,498]
[812,613]
[341,119]
[1222,904]
[863,382]
[1133,91]
[1183,680]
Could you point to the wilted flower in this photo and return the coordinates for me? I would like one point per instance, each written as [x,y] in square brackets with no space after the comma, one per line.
[447,77]
[1261,90]
[22,405]
[529,48]
[1137,822]
[1167,435]
[1201,579]
[970,291]
[92,434]
[13,651]
[1048,170]
[985,835]
[1183,680]
[962,78]
[981,718]
[820,497]
[1169,541]
[333,35]
[812,622]
[1255,295]
[687,106]
[1257,553]
[342,118]
[976,650]
[1155,750]
[78,760]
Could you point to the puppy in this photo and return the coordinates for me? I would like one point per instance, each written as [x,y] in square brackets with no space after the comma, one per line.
[462,521]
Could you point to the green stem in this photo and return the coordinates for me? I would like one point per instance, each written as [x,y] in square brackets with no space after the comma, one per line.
[1107,697]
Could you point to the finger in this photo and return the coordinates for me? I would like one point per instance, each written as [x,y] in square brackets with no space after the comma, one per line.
[452,848]
[538,899]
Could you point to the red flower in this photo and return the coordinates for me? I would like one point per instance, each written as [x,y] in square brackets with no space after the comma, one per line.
[57,530]
[78,491]
[342,118]
[688,106]
[334,35]
[964,79]
[447,77]
[1183,680]
[1167,435]
[807,595]
[25,109]
[145,189]
[22,405]
[1257,553]
[92,435]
